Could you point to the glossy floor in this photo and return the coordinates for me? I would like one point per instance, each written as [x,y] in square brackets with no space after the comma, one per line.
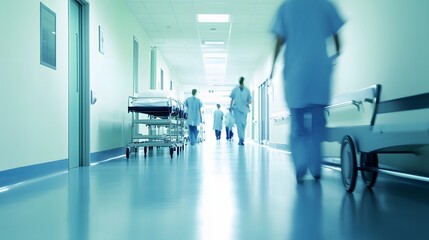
[215,190]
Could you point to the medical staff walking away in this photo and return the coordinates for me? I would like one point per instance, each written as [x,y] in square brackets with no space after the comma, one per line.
[229,123]
[217,121]
[240,100]
[305,26]
[194,106]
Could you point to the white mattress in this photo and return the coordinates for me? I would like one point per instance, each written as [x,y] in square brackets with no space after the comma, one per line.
[152,102]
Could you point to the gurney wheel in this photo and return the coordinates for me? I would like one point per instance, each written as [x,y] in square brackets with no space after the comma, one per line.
[348,163]
[145,151]
[369,160]
[178,150]
[127,152]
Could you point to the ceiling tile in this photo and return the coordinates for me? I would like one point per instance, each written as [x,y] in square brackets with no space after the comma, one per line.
[265,9]
[183,18]
[144,18]
[172,26]
[213,8]
[183,8]
[243,8]
[137,7]
[159,8]
[163,18]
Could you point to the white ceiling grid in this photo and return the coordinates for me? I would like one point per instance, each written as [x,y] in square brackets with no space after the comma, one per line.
[172,26]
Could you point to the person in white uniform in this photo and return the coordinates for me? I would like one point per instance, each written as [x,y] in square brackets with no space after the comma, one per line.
[229,123]
[194,105]
[240,101]
[217,121]
[304,26]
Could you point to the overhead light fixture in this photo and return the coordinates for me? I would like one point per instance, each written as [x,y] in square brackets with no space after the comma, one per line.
[213,18]
[213,42]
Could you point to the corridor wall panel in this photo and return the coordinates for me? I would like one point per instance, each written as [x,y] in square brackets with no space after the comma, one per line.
[383,42]
[33,97]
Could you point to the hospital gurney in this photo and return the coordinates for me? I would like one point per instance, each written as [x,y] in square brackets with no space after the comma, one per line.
[367,128]
[164,118]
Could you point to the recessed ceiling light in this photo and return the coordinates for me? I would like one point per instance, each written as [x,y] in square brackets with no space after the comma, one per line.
[213,42]
[214,18]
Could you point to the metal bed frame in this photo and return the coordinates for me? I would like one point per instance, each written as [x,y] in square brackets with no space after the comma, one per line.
[362,144]
[363,137]
[165,125]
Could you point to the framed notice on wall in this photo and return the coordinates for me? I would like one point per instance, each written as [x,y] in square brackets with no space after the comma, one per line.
[101,39]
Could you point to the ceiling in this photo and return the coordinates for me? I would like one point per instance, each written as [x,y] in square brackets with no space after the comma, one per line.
[173,28]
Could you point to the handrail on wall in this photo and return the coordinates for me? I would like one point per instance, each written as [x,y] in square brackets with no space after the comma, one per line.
[357,98]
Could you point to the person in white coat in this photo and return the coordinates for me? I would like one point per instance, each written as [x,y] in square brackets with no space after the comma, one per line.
[217,121]
[194,105]
[240,101]
[229,123]
[305,26]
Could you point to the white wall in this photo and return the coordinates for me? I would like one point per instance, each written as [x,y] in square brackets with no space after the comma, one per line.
[383,42]
[112,72]
[33,98]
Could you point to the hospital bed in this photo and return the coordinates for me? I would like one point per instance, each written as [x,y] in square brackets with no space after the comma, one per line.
[164,117]
[367,128]
[362,131]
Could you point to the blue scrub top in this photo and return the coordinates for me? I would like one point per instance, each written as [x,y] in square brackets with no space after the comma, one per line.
[194,105]
[241,99]
[305,25]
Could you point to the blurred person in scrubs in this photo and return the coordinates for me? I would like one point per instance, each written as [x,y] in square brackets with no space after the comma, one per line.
[304,26]
[217,121]
[229,123]
[240,101]
[194,106]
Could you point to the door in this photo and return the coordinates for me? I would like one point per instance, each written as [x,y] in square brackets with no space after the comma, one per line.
[75,83]
[263,114]
[135,66]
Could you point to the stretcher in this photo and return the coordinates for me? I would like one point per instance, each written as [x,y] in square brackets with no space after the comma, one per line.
[367,128]
[164,117]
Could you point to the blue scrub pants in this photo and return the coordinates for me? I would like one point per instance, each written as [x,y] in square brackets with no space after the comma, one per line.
[240,122]
[229,133]
[193,134]
[307,133]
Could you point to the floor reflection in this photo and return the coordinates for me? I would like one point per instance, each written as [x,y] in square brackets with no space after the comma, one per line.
[307,214]
[216,190]
[78,204]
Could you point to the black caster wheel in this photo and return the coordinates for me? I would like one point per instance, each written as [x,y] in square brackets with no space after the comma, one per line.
[369,166]
[348,163]
[145,151]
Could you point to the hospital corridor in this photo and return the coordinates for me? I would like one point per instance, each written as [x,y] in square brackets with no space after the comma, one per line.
[214,120]
[211,191]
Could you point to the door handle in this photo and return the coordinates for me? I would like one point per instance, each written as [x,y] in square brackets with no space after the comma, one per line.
[77,63]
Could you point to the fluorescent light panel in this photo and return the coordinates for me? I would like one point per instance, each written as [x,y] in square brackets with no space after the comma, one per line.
[213,18]
[213,42]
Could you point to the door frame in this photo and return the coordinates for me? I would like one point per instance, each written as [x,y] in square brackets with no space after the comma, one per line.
[84,94]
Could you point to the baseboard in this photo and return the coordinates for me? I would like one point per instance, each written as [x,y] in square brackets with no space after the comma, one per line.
[280,146]
[21,174]
[17,175]
[107,154]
